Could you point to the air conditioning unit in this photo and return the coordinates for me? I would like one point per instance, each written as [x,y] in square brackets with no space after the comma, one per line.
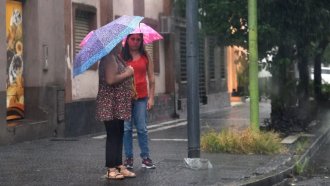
[165,24]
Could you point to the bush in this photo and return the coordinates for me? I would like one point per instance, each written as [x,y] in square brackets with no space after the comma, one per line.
[242,142]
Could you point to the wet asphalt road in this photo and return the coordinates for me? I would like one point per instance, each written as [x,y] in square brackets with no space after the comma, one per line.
[81,161]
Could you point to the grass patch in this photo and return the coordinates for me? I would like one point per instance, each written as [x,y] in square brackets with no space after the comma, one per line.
[242,142]
[301,166]
[302,144]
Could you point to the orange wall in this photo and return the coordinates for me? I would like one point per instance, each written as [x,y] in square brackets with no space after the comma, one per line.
[233,54]
[231,70]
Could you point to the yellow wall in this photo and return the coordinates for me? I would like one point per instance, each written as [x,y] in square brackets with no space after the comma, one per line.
[14,37]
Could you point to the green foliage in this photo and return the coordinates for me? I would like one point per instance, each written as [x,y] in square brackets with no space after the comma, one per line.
[279,22]
[298,28]
[301,145]
[211,142]
[227,19]
[242,142]
[325,88]
[300,166]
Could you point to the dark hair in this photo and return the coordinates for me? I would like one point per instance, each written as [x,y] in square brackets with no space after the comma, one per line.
[126,55]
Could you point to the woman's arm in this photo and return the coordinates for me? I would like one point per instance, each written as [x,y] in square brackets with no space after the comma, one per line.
[151,81]
[111,71]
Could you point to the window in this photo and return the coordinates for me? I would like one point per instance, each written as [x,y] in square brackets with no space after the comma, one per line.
[211,63]
[222,63]
[201,60]
[183,60]
[152,50]
[202,79]
[84,21]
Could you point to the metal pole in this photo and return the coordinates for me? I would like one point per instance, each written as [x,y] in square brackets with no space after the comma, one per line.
[253,66]
[193,74]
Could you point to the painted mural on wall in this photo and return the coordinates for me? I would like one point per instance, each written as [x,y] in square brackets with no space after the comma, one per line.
[14,34]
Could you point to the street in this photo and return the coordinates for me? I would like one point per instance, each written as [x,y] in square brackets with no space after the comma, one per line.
[80,161]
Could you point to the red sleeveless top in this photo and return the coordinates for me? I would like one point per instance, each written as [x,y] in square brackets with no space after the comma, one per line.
[140,71]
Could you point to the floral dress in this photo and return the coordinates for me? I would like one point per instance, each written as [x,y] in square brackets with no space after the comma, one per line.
[113,101]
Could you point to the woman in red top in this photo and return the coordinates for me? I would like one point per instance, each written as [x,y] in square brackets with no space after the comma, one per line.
[135,55]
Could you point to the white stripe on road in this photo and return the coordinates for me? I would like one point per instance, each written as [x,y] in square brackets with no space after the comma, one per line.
[168,127]
[151,130]
[165,123]
[100,136]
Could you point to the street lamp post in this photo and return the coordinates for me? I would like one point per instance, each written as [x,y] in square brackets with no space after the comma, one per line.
[192,80]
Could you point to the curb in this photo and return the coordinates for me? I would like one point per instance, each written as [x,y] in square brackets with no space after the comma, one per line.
[279,177]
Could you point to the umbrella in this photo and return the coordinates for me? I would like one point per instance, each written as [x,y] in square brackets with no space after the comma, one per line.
[264,73]
[101,41]
[84,41]
[149,34]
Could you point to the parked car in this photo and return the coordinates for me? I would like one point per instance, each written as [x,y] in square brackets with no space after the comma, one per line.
[325,74]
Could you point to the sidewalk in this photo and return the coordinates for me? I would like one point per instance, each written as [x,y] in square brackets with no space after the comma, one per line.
[80,161]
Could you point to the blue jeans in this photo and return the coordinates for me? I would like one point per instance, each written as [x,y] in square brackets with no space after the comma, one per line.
[139,119]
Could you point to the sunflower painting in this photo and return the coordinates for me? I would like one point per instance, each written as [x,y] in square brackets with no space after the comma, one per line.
[14,34]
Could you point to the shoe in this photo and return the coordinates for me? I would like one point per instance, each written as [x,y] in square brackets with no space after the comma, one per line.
[128,163]
[147,163]
[126,173]
[113,174]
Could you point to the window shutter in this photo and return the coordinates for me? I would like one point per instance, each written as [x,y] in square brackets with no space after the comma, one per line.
[81,28]
[202,80]
[83,21]
[183,49]
[222,63]
[211,63]
[150,50]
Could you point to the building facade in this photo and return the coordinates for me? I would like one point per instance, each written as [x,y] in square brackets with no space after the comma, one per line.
[49,102]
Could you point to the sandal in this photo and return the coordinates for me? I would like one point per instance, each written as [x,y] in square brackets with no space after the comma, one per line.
[113,174]
[126,173]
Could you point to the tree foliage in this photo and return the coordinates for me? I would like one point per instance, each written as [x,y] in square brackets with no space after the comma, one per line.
[227,19]
[298,29]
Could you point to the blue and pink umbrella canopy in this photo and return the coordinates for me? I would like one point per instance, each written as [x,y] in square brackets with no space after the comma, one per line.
[101,41]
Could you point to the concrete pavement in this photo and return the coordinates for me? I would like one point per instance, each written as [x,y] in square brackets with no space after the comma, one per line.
[80,161]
